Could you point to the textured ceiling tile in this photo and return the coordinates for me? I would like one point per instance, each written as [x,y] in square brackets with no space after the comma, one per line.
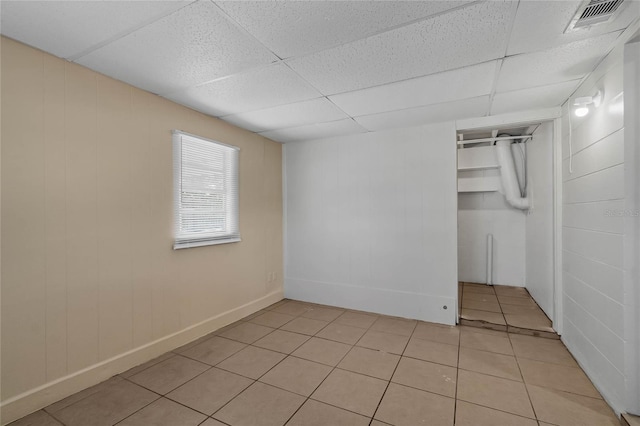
[540,24]
[193,45]
[568,62]
[536,97]
[291,28]
[466,108]
[467,36]
[290,115]
[257,89]
[67,28]
[469,82]
[315,131]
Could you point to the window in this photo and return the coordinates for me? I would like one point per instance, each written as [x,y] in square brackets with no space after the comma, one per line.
[205,191]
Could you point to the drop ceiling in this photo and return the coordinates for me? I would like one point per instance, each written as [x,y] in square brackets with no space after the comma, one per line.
[299,70]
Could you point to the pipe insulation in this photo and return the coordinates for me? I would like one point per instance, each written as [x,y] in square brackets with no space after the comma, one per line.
[509,177]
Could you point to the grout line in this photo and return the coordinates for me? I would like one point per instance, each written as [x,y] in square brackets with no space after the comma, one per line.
[393,373]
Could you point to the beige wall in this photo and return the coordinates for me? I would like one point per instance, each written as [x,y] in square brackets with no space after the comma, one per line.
[88,270]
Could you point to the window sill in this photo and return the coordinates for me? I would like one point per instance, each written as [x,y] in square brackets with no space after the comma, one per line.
[184,245]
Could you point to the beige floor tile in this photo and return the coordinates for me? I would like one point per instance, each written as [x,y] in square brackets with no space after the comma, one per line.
[247,332]
[482,330]
[277,304]
[370,362]
[509,291]
[392,343]
[541,349]
[518,301]
[489,363]
[474,415]
[482,297]
[494,392]
[260,405]
[253,315]
[72,399]
[168,375]
[282,341]
[517,309]
[568,409]
[297,375]
[529,321]
[305,326]
[378,423]
[437,333]
[252,362]
[483,325]
[403,406]
[214,350]
[474,315]
[427,350]
[560,377]
[139,368]
[481,305]
[322,351]
[212,422]
[629,420]
[401,326]
[351,391]
[39,418]
[108,406]
[164,412]
[478,288]
[315,413]
[498,343]
[357,319]
[272,319]
[293,308]
[209,391]
[428,376]
[341,333]
[323,314]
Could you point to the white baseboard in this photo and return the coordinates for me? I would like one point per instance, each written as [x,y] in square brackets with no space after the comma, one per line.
[418,306]
[42,396]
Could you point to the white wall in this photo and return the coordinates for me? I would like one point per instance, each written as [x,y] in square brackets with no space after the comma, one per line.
[483,214]
[371,222]
[539,220]
[593,296]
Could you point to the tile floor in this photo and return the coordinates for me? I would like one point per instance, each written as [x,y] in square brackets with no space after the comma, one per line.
[502,308]
[301,364]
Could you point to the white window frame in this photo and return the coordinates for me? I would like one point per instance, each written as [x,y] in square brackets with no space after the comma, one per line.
[230,233]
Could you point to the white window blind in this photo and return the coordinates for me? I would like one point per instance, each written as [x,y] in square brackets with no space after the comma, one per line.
[205,191]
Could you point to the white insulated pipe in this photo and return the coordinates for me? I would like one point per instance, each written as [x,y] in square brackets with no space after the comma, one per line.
[509,177]
[489,259]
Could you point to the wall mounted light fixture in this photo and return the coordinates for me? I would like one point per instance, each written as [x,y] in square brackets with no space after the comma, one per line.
[582,104]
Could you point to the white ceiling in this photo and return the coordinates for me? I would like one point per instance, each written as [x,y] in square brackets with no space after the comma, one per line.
[298,70]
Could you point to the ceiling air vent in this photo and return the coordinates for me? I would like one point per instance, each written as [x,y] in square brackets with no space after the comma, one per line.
[594,12]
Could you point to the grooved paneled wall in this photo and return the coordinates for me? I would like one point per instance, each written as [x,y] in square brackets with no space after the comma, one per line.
[88,270]
[594,193]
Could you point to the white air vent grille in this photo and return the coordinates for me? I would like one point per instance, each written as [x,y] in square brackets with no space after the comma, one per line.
[594,12]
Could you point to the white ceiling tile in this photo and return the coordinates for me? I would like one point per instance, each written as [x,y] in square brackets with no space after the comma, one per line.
[253,90]
[191,46]
[315,131]
[463,37]
[67,28]
[536,97]
[290,115]
[468,82]
[540,24]
[291,28]
[466,108]
[568,62]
